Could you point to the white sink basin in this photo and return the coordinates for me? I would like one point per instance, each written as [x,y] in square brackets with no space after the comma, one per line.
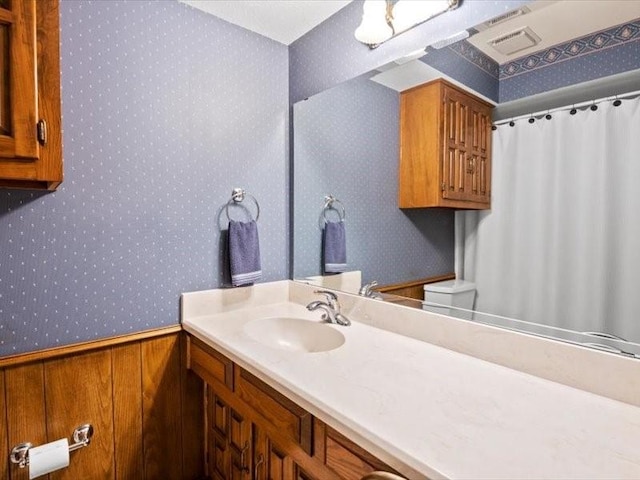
[294,334]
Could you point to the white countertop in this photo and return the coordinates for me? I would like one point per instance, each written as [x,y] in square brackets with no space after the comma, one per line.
[433,413]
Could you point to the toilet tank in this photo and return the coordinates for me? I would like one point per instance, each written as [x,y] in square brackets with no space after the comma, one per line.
[454,293]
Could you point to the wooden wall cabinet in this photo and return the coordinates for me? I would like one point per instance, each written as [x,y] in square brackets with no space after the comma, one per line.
[255,433]
[445,148]
[30,121]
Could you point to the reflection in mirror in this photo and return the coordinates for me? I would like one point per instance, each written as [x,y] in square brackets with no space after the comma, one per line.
[346,143]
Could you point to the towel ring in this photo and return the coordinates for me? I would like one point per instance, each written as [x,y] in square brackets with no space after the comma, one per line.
[329,204]
[237,196]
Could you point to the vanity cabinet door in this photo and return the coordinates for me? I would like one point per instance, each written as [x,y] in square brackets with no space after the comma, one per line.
[271,462]
[229,440]
[30,133]
[445,148]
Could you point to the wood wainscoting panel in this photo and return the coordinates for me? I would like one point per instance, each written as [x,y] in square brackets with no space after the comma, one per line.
[4,442]
[192,390]
[25,402]
[146,410]
[127,410]
[161,410]
[78,390]
[413,289]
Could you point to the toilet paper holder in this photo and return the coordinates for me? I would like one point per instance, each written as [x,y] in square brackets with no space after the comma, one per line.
[81,438]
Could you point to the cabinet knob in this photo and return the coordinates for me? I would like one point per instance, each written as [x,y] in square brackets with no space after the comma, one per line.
[42,132]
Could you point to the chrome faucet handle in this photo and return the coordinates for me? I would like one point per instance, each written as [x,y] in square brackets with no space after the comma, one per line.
[332,299]
[365,290]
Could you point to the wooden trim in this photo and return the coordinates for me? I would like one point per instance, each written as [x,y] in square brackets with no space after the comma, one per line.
[83,347]
[4,442]
[414,283]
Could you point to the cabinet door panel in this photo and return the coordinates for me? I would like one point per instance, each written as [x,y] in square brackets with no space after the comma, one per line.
[229,442]
[219,417]
[19,111]
[218,456]
[240,463]
[270,461]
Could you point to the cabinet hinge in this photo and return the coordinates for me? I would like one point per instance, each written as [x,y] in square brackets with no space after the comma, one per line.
[42,132]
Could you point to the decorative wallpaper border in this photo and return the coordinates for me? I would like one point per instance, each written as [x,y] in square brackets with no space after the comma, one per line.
[477,57]
[595,42]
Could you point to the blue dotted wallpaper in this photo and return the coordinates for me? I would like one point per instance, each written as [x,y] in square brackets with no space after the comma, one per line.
[346,145]
[165,110]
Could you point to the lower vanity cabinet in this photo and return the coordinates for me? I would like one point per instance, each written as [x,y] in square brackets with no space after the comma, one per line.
[253,432]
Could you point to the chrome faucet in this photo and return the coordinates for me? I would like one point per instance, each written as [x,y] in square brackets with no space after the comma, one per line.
[367,290]
[331,308]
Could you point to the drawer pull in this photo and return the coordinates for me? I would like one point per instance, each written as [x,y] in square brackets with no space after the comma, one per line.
[256,468]
[243,457]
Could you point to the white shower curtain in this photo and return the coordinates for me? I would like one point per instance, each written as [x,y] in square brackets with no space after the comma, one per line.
[561,243]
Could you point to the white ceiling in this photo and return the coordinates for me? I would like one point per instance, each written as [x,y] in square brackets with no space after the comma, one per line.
[282,20]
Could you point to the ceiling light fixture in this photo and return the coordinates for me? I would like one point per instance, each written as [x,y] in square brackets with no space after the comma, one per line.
[383,19]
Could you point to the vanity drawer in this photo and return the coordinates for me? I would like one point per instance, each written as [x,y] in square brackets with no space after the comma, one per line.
[288,418]
[348,460]
[208,364]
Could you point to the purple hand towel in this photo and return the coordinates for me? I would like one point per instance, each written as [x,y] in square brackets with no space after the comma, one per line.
[244,253]
[334,243]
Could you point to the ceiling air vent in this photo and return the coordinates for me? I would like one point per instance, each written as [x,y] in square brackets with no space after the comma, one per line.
[515,41]
[507,16]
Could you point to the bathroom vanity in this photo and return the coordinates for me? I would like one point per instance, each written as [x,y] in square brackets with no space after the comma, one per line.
[402,390]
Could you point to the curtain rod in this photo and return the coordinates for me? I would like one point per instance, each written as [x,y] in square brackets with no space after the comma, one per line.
[568,107]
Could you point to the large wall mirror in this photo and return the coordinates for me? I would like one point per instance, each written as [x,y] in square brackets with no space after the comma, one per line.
[346,146]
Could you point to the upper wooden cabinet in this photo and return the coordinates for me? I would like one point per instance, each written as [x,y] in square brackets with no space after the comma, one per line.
[445,148]
[30,136]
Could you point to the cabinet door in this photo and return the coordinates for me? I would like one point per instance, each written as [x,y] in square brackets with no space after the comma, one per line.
[479,164]
[30,133]
[229,444]
[466,161]
[270,461]
[18,94]
[457,156]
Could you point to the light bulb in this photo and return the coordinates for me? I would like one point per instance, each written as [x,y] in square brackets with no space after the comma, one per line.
[374,28]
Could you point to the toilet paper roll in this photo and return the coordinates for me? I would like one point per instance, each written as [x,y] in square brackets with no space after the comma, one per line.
[48,458]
